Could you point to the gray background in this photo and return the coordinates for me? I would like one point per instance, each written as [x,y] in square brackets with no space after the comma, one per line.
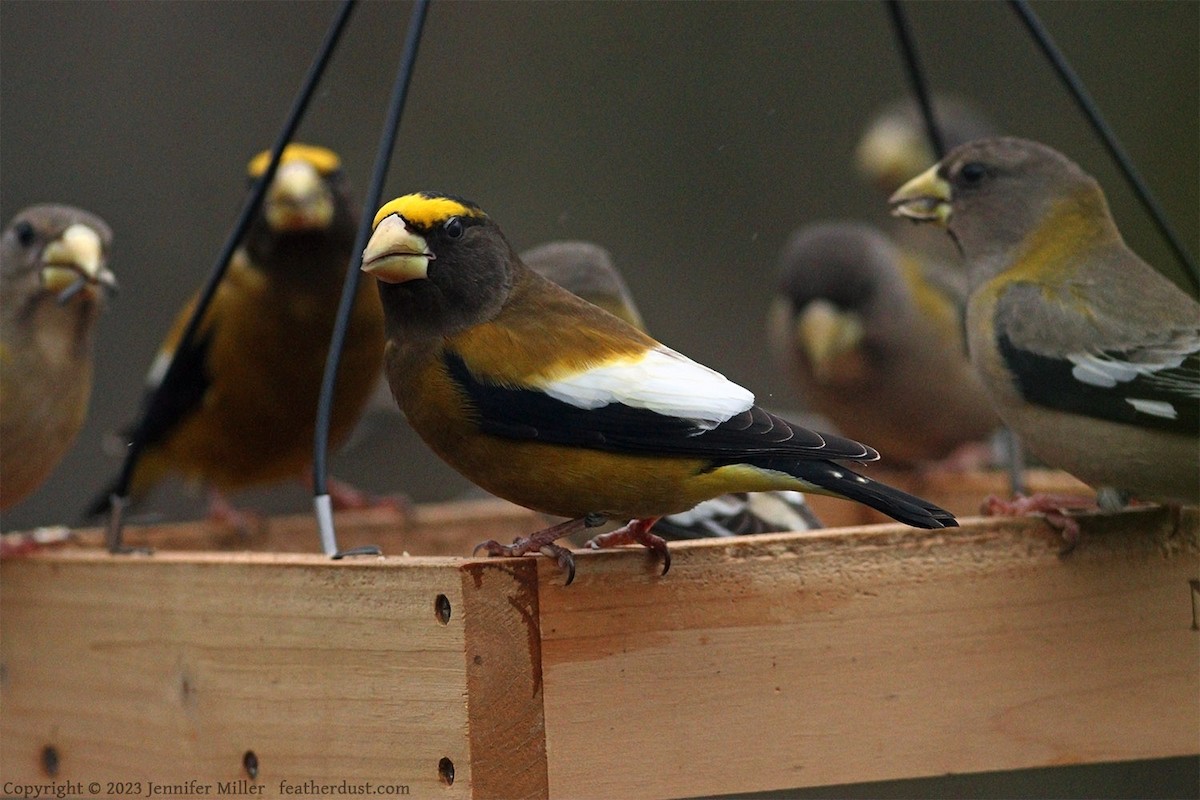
[689,138]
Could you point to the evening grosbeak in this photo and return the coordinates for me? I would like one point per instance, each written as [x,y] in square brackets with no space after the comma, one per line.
[243,415]
[874,344]
[1088,353]
[53,279]
[548,401]
[894,147]
[587,270]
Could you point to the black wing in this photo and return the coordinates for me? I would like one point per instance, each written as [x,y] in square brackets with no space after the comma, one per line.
[517,413]
[1155,386]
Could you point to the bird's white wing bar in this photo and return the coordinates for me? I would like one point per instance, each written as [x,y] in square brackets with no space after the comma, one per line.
[660,380]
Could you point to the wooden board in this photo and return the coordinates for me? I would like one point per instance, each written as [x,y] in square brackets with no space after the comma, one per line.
[872,654]
[172,668]
[767,662]
[448,529]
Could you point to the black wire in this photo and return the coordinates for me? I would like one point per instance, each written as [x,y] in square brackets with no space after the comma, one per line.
[1088,106]
[1013,455]
[155,403]
[387,143]
[916,77]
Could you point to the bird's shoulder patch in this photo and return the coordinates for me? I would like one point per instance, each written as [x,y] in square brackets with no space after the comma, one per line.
[591,367]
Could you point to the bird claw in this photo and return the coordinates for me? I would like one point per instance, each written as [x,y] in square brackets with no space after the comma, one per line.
[1052,507]
[543,542]
[566,561]
[636,532]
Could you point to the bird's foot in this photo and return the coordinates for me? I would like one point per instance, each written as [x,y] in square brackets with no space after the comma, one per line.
[543,542]
[347,497]
[223,512]
[636,532]
[1053,507]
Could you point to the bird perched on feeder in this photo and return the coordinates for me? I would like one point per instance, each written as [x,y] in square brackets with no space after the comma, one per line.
[1088,353]
[243,412]
[548,401]
[862,314]
[587,270]
[54,276]
[875,346]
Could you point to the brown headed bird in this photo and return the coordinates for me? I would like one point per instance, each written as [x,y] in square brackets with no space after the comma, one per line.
[244,413]
[874,344]
[1090,354]
[548,401]
[53,279]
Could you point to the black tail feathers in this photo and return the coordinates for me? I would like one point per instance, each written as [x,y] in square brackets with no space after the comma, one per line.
[843,482]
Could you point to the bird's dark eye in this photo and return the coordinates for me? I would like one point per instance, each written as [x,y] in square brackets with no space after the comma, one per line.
[972,172]
[453,227]
[25,233]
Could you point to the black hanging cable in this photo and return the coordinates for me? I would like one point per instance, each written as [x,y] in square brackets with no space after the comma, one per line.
[1012,456]
[916,77]
[387,143]
[158,401]
[1118,153]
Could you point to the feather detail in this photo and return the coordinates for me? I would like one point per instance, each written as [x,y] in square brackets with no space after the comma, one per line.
[662,381]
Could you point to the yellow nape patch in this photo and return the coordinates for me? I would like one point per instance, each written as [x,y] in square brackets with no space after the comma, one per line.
[1064,239]
[426,210]
[323,160]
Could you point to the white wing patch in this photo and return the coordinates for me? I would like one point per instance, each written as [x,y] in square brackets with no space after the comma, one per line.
[1106,371]
[1157,408]
[1157,364]
[661,380]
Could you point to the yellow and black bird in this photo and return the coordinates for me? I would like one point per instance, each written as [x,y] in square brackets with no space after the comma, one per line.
[243,413]
[1090,354]
[873,342]
[587,270]
[53,279]
[548,401]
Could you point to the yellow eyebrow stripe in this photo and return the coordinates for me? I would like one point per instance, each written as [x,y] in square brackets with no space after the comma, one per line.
[323,160]
[424,211]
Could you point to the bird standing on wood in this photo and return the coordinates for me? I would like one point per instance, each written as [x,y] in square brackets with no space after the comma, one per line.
[1088,353]
[552,403]
[243,413]
[54,276]
[587,270]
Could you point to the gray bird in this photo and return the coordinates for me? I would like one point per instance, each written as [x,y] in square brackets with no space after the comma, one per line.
[1090,354]
[53,280]
[872,340]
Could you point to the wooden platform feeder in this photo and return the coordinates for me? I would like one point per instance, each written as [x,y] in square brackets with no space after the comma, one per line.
[251,665]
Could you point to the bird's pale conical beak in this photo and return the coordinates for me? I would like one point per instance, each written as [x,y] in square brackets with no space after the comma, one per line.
[925,198]
[395,254]
[825,333]
[76,259]
[298,200]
